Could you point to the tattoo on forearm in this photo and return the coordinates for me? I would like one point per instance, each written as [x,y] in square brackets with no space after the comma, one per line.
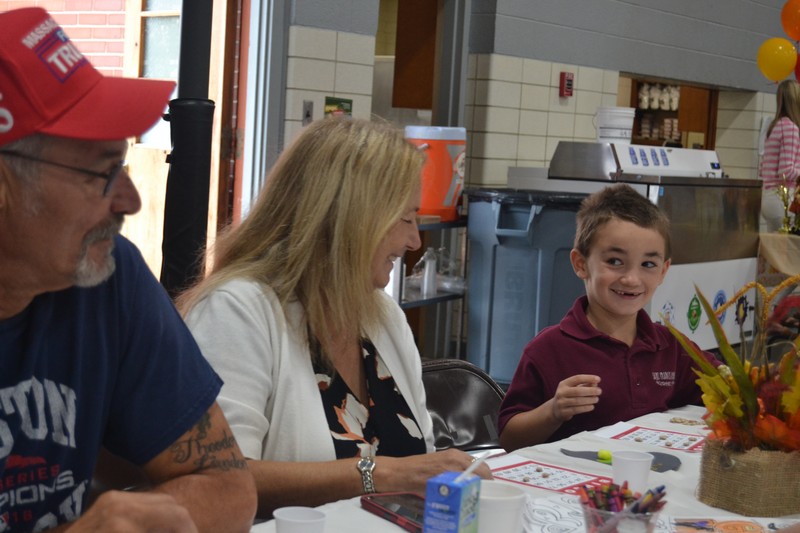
[205,454]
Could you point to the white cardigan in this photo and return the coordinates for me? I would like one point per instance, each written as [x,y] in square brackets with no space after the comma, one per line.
[270,396]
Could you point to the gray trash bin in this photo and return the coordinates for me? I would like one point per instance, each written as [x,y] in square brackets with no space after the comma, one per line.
[519,276]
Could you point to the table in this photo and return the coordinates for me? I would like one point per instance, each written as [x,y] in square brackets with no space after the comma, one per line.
[549,508]
[781,251]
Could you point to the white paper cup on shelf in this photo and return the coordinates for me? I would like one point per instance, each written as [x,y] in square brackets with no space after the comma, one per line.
[633,467]
[299,520]
[500,507]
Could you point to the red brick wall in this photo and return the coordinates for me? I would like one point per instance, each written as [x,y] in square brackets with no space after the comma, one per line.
[97,27]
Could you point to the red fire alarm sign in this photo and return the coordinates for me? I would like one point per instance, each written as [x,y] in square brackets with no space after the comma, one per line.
[565,84]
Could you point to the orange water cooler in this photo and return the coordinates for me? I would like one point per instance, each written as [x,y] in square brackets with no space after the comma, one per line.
[443,173]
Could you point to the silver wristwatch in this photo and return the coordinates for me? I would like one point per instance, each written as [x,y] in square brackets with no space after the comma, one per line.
[366,465]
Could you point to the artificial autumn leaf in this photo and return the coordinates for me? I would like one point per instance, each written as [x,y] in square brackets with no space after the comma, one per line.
[751,402]
[790,399]
[770,396]
[720,429]
[775,433]
[746,390]
[717,396]
[794,420]
[706,367]
[789,373]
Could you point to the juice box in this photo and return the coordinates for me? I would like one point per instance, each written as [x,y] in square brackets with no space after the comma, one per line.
[451,506]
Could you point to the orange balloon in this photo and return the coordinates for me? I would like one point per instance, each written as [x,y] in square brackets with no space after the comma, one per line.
[790,19]
[777,58]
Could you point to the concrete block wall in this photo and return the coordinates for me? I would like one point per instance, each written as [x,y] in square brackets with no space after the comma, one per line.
[327,63]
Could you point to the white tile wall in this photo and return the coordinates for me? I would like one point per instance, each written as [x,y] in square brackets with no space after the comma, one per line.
[589,79]
[739,119]
[514,103]
[505,93]
[327,63]
[535,72]
[355,48]
[352,78]
[513,114]
[312,43]
[533,123]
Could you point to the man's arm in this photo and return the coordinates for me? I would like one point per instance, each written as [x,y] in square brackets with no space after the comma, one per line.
[201,484]
[204,471]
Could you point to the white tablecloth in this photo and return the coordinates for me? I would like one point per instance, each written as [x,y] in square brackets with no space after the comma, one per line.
[549,508]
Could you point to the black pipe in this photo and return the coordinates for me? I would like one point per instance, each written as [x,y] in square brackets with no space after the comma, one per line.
[186,205]
[190,116]
[195,53]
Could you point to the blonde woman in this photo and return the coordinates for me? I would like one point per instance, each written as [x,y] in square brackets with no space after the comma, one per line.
[780,163]
[323,384]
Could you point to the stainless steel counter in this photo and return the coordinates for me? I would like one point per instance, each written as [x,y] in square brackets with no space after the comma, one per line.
[713,218]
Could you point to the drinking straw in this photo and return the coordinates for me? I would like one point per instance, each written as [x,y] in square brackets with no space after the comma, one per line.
[471,468]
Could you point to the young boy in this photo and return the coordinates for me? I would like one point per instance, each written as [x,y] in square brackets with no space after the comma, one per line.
[606,361]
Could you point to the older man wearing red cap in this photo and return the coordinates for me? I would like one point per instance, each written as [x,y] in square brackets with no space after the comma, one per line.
[92,353]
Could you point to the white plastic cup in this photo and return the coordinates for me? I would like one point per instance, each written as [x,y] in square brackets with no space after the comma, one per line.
[500,507]
[299,520]
[633,467]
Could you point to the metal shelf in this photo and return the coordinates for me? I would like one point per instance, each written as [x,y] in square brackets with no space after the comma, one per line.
[413,298]
[437,321]
[431,226]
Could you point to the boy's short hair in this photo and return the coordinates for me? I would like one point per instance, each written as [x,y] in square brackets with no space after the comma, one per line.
[620,202]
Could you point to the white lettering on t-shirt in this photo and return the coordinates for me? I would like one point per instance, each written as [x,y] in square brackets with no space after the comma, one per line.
[35,404]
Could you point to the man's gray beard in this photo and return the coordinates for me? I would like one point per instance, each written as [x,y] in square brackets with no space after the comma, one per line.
[88,273]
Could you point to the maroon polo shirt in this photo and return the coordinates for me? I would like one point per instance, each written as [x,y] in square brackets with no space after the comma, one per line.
[655,374]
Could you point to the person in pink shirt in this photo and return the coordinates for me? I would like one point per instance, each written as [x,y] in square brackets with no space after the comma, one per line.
[780,162]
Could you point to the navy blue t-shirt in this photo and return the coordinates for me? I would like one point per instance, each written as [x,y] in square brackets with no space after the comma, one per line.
[111,365]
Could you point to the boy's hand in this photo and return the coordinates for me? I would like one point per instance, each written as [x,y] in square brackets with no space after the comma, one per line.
[575,395]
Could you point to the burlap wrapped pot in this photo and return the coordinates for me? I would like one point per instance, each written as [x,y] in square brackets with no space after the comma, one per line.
[751,483]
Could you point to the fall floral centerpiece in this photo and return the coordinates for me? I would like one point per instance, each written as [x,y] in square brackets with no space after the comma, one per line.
[751,458]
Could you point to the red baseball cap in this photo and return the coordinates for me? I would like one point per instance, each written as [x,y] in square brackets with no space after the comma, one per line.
[47,86]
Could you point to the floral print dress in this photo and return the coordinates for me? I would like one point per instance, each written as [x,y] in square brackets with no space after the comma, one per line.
[384,427]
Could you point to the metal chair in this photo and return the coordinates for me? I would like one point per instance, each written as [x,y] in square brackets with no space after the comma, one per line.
[463,401]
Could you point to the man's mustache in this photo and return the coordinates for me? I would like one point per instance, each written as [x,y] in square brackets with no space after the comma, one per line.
[106,231]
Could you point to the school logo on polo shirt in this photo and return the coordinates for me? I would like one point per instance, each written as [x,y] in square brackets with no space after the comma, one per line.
[664,379]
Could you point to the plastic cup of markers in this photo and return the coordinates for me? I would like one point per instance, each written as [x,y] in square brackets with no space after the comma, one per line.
[598,521]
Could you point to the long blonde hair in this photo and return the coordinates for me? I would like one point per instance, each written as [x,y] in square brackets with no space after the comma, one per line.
[331,197]
[788,99]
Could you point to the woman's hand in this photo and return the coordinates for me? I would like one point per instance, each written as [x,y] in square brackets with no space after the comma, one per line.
[412,473]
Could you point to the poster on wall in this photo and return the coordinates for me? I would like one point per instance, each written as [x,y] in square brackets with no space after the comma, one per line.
[338,106]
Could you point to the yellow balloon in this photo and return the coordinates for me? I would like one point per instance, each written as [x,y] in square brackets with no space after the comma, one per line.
[776,58]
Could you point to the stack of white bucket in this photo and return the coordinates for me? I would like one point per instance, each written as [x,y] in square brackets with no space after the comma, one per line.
[614,124]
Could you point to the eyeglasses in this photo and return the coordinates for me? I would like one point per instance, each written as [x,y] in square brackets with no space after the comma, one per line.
[110,176]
